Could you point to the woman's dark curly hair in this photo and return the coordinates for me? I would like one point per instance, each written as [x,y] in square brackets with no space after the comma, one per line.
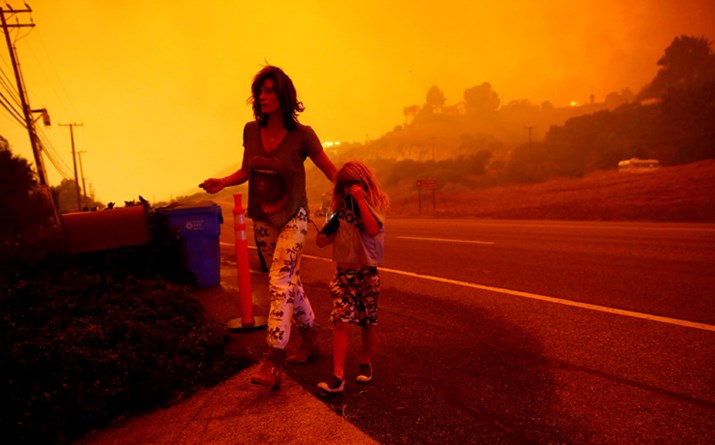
[284,89]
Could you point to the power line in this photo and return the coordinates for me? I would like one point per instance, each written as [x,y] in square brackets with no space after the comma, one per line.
[54,158]
[51,149]
[64,99]
[9,107]
[6,84]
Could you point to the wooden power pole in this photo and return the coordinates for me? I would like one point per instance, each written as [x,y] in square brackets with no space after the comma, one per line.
[74,162]
[26,109]
[81,175]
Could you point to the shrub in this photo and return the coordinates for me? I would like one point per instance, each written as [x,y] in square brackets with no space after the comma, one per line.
[89,338]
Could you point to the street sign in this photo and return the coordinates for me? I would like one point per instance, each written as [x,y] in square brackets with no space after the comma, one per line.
[427,184]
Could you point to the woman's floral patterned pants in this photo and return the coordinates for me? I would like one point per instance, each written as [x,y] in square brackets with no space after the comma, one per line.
[282,246]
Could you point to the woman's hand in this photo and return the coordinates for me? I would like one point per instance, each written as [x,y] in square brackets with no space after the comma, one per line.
[213,185]
[323,240]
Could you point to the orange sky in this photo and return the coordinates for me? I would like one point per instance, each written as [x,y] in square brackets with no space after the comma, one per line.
[160,87]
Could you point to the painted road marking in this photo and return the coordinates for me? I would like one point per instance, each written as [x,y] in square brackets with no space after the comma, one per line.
[592,307]
[444,240]
[562,301]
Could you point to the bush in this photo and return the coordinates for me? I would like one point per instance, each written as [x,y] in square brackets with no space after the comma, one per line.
[89,338]
[23,203]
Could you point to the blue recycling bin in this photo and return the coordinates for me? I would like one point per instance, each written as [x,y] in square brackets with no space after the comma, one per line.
[199,227]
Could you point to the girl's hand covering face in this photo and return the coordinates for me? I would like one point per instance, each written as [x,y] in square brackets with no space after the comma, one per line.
[357,191]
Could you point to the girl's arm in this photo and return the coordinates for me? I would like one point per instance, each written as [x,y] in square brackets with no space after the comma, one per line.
[372,226]
[323,162]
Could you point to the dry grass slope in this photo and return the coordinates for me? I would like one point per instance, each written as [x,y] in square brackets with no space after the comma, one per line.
[683,193]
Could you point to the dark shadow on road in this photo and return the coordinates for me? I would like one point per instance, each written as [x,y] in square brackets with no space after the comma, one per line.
[445,373]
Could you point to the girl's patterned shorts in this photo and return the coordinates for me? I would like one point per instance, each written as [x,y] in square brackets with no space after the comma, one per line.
[355,293]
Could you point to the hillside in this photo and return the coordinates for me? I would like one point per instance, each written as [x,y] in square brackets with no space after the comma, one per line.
[445,136]
[679,193]
[684,193]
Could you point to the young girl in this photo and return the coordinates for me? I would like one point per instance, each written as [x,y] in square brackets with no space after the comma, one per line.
[357,234]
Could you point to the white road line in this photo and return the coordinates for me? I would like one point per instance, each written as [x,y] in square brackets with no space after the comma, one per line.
[592,307]
[516,293]
[444,240]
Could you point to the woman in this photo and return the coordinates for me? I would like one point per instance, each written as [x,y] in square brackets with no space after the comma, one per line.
[275,148]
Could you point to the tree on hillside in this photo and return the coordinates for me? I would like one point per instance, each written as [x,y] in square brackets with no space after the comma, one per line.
[616,99]
[531,163]
[520,106]
[592,142]
[481,99]
[685,83]
[689,130]
[687,63]
[678,129]
[410,113]
[435,99]
[469,143]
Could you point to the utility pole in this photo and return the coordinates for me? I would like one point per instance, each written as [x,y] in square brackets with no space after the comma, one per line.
[81,173]
[74,162]
[529,128]
[26,109]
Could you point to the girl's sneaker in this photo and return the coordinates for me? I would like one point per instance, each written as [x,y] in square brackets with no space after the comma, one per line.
[333,385]
[365,374]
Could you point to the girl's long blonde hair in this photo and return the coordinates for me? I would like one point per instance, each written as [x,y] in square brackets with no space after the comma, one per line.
[353,171]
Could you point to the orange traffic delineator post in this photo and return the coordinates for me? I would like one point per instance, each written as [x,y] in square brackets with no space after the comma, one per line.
[247,321]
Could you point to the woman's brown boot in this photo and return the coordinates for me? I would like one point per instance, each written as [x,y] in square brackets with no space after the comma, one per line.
[270,373]
[309,347]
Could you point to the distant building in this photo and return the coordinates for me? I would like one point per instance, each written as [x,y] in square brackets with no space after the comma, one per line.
[635,165]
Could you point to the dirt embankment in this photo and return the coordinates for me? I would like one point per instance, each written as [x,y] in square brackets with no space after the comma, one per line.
[680,193]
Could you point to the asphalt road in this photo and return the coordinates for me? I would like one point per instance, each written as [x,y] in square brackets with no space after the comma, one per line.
[507,332]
